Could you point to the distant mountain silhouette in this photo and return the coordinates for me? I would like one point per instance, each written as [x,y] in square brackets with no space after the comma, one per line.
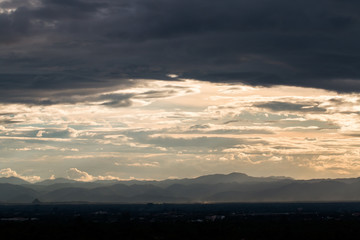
[54,181]
[219,178]
[13,180]
[234,187]
[10,193]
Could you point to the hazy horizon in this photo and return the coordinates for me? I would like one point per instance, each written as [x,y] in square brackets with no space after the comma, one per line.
[135,179]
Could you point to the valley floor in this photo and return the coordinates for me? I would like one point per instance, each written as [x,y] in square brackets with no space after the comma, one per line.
[181,221]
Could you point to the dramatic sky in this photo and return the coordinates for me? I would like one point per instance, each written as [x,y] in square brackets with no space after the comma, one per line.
[156,89]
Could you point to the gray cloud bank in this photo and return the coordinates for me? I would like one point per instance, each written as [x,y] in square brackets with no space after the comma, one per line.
[50,49]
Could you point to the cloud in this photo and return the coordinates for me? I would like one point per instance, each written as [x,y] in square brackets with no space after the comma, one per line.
[198,142]
[76,174]
[8,172]
[53,49]
[116,100]
[200,127]
[290,107]
[252,128]
[138,164]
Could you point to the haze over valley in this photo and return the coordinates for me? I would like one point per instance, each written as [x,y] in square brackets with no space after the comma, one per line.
[218,188]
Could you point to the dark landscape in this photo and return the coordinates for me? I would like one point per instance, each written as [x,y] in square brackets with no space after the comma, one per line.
[233,206]
[217,188]
[181,221]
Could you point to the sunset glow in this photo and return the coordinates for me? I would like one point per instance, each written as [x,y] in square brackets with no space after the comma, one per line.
[183,129]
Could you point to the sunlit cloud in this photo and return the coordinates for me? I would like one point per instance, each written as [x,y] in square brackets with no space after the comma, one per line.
[8,172]
[76,174]
[186,127]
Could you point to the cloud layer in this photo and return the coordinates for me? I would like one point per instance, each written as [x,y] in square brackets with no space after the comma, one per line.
[8,172]
[185,129]
[159,88]
[52,49]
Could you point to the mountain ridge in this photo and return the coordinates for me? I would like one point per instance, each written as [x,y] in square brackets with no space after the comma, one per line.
[233,187]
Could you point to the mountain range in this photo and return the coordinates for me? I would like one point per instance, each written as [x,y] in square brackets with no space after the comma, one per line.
[234,187]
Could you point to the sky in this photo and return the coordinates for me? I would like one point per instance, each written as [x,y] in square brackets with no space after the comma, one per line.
[156,89]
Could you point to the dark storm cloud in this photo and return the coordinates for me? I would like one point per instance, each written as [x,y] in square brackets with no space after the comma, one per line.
[116,100]
[8,121]
[51,46]
[157,94]
[294,107]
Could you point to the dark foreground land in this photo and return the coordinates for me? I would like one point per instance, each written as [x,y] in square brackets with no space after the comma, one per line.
[181,221]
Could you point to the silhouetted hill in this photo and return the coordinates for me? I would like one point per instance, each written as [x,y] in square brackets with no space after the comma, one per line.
[13,180]
[234,187]
[10,193]
[221,178]
[54,181]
